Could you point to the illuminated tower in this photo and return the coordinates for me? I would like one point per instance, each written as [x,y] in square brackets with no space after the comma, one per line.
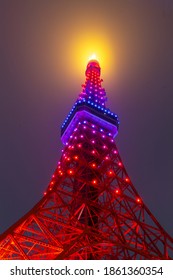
[90,209]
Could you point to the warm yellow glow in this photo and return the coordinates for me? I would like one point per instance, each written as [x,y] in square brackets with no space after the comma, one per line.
[82,45]
[91,45]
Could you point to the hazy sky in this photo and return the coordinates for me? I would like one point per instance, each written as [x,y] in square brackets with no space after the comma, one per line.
[42,69]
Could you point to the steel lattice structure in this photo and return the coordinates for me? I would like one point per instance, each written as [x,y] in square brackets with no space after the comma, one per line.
[91,209]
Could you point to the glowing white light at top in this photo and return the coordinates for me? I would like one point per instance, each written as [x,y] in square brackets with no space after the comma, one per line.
[93,57]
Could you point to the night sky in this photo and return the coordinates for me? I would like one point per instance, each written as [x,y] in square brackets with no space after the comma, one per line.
[42,64]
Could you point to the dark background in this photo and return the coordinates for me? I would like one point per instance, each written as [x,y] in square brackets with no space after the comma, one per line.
[41,78]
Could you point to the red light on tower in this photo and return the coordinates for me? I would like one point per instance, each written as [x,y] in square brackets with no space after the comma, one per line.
[75,157]
[110,172]
[90,208]
[94,182]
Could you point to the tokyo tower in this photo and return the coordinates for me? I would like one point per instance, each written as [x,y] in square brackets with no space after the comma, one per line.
[90,210]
